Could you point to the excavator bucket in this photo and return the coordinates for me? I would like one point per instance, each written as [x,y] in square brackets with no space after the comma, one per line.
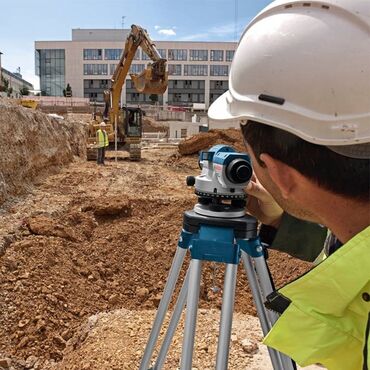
[150,81]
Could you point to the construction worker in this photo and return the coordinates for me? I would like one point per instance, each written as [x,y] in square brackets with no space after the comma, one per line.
[102,142]
[300,85]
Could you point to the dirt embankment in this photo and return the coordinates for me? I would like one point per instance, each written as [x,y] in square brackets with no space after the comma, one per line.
[205,140]
[32,144]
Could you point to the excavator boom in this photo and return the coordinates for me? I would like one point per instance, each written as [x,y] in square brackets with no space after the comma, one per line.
[153,79]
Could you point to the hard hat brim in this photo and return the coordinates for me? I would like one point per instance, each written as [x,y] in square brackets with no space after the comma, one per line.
[220,108]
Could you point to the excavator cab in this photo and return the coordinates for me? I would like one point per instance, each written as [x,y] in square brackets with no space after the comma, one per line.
[132,121]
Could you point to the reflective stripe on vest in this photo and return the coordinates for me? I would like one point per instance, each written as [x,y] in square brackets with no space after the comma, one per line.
[327,317]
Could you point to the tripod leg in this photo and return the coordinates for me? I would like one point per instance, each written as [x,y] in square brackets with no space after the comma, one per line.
[191,314]
[163,306]
[267,288]
[175,318]
[227,310]
[261,311]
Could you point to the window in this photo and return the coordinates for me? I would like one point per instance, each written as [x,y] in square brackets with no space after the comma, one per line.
[112,54]
[229,55]
[162,52]
[112,68]
[195,70]
[137,55]
[174,69]
[184,133]
[177,54]
[197,55]
[217,55]
[219,70]
[93,54]
[95,69]
[136,68]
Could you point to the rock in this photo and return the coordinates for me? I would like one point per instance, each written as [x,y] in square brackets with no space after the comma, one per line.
[142,292]
[249,346]
[5,363]
[59,341]
[234,337]
[67,334]
[156,299]
[113,299]
[23,323]
[30,361]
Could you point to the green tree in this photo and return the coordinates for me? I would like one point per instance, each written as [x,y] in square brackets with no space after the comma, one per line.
[24,91]
[67,92]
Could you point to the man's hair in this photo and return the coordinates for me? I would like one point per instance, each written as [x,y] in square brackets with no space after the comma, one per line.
[339,174]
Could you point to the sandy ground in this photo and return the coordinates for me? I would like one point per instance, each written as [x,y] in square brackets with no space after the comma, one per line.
[95,239]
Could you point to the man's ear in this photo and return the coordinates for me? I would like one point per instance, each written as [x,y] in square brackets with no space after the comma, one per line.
[281,174]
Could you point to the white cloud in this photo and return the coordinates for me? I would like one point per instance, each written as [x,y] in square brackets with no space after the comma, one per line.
[167,32]
[194,37]
[157,27]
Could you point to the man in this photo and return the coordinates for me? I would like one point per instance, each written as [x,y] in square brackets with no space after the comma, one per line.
[102,142]
[300,84]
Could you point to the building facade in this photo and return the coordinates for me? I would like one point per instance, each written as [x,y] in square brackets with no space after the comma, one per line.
[15,83]
[198,71]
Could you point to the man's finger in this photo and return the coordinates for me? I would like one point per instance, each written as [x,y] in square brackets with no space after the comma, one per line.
[257,190]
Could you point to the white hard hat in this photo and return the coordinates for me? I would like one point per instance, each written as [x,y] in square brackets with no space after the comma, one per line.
[102,124]
[304,67]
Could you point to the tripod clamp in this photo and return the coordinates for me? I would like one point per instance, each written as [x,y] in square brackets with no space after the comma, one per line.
[220,239]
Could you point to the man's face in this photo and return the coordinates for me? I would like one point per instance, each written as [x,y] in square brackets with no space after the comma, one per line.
[291,206]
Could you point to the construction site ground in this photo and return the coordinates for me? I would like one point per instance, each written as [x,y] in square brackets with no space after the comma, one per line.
[84,254]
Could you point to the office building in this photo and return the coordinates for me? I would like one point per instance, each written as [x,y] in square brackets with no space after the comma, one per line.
[198,71]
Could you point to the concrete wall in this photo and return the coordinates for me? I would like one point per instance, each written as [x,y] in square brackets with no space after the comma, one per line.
[179,129]
[213,124]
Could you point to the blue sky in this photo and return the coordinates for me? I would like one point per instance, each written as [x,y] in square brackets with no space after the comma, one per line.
[25,21]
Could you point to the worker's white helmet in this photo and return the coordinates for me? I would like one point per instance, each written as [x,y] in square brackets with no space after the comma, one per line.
[102,124]
[304,67]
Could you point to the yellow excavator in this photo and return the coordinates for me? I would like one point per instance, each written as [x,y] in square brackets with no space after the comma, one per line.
[124,125]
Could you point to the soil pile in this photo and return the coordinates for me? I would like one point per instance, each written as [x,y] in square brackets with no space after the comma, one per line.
[205,140]
[33,144]
[151,125]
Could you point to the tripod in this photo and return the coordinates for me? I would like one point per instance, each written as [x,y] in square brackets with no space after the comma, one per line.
[218,238]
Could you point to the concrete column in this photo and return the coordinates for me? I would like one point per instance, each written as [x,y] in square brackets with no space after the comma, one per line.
[165,97]
[206,92]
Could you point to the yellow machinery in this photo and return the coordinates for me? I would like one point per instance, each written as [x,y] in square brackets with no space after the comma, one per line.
[124,124]
[29,103]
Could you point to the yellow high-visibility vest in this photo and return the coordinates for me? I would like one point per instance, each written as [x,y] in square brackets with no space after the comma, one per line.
[328,318]
[102,138]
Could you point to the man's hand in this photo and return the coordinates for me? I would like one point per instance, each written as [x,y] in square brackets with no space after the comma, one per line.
[262,205]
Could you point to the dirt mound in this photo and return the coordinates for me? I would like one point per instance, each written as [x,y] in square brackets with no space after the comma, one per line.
[205,140]
[151,125]
[32,144]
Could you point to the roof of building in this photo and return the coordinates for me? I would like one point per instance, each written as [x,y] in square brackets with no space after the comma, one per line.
[18,77]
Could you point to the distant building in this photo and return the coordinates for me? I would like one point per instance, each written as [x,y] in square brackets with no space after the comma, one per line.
[16,82]
[198,71]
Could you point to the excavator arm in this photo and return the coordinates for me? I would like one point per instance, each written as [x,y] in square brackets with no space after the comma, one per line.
[153,80]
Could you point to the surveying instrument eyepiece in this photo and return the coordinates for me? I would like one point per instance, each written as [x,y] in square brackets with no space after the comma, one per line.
[217,230]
